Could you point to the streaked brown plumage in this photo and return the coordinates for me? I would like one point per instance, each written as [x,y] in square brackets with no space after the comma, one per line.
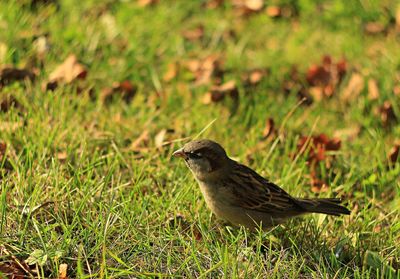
[239,195]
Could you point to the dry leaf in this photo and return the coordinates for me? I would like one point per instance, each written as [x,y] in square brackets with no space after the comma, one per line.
[318,145]
[394,153]
[197,233]
[172,71]
[3,51]
[219,92]
[12,267]
[254,5]
[348,134]
[67,72]
[324,79]
[62,271]
[194,34]
[213,4]
[10,74]
[207,70]
[42,46]
[273,11]
[3,148]
[387,113]
[396,90]
[353,88]
[398,18]
[269,128]
[125,89]
[144,3]
[293,84]
[62,156]
[374,27]
[317,185]
[141,142]
[254,77]
[7,102]
[247,7]
[12,270]
[377,229]
[317,93]
[159,138]
[373,90]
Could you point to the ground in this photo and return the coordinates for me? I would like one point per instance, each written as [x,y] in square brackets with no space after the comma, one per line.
[96,95]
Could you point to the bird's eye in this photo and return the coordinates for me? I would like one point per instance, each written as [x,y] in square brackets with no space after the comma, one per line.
[193,155]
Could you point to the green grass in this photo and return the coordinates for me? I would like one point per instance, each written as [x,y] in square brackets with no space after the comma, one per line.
[114,211]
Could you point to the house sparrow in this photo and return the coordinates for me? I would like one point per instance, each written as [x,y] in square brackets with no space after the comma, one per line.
[239,195]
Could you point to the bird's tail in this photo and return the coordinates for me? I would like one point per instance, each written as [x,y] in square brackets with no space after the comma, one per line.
[329,206]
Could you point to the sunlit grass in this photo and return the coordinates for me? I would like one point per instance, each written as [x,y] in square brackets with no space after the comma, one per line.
[119,211]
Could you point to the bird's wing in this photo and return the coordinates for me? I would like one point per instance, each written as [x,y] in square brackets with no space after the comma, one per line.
[254,192]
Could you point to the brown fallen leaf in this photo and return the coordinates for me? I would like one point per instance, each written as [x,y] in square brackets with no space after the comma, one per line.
[273,11]
[387,113]
[194,34]
[125,89]
[269,128]
[42,47]
[254,5]
[377,229]
[324,79]
[213,4]
[207,70]
[374,28]
[145,3]
[373,90]
[219,92]
[293,84]
[3,148]
[318,146]
[11,74]
[317,185]
[254,77]
[247,7]
[317,93]
[141,142]
[394,153]
[172,71]
[62,271]
[348,134]
[159,138]
[67,72]
[396,90]
[62,156]
[12,267]
[353,88]
[196,233]
[397,18]
[8,101]
[11,270]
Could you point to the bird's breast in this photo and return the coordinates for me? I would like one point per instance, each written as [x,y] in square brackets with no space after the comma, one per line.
[216,198]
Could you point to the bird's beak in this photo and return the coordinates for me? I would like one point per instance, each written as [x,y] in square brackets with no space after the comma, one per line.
[179,153]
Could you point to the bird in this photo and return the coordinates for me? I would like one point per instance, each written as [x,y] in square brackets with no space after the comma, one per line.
[239,195]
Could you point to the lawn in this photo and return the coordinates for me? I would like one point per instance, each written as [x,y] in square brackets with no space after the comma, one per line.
[96,95]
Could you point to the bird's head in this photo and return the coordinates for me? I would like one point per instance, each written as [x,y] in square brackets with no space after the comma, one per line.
[203,157]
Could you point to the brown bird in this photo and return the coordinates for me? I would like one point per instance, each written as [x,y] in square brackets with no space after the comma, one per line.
[238,194]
